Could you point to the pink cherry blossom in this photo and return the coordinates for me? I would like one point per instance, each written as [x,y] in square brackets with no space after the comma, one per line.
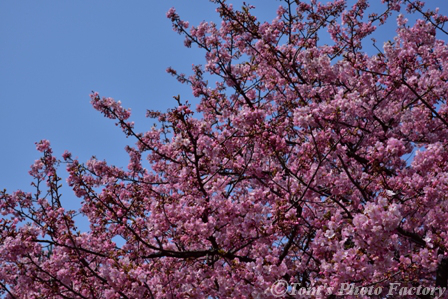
[304,162]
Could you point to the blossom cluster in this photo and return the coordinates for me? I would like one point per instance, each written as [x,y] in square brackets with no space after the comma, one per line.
[305,162]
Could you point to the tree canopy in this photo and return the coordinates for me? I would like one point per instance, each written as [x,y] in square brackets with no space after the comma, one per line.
[312,163]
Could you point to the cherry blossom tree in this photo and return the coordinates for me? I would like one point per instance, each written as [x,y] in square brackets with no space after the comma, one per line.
[310,159]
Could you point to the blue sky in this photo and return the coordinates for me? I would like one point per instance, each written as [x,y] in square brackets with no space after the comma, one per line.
[54,53]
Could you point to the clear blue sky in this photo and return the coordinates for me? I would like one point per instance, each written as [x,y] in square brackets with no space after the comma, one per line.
[54,53]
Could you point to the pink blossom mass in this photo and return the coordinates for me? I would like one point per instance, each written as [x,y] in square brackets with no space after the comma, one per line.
[320,165]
